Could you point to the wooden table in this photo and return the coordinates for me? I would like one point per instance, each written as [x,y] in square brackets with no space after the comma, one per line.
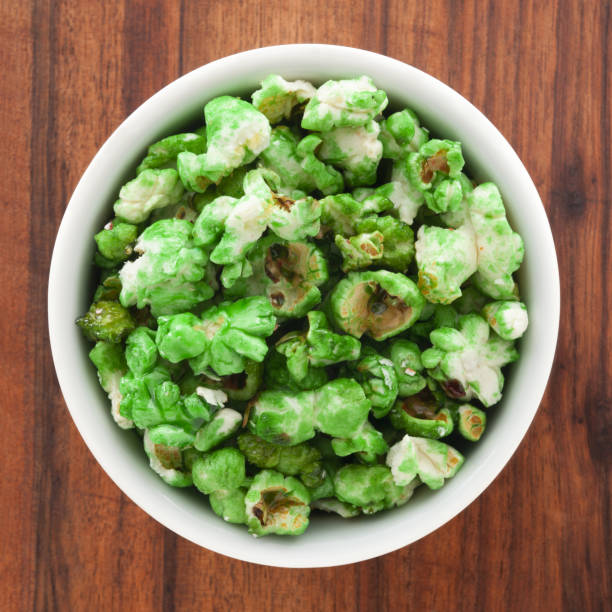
[537,539]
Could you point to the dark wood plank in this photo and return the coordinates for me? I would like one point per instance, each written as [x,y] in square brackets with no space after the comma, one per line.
[539,537]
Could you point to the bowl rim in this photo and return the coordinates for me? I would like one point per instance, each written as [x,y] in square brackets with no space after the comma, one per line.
[140,495]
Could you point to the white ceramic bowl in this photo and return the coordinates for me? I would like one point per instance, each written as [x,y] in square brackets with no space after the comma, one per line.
[329,540]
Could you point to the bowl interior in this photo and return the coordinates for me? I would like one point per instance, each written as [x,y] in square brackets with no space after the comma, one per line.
[329,540]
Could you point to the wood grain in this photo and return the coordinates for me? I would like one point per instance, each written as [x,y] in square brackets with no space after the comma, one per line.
[539,537]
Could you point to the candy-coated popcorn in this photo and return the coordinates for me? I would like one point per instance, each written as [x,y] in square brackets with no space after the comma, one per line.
[236,134]
[401,133]
[431,460]
[326,178]
[377,376]
[330,504]
[115,241]
[371,488]
[418,415]
[360,251]
[447,196]
[222,426]
[344,103]
[508,320]
[301,460]
[221,470]
[141,350]
[108,321]
[446,258]
[110,363]
[284,418]
[221,475]
[341,213]
[434,158]
[277,504]
[356,150]
[406,198]
[277,97]
[288,273]
[163,154]
[441,315]
[470,421]
[397,240]
[468,361]
[151,189]
[278,377]
[367,441]
[379,303]
[318,347]
[169,462]
[500,250]
[406,359]
[222,338]
[282,157]
[167,276]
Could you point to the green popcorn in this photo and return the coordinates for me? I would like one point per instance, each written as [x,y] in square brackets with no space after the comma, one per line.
[418,415]
[344,103]
[108,321]
[109,288]
[110,364]
[223,425]
[242,223]
[277,504]
[406,359]
[467,361]
[301,460]
[331,504]
[277,98]
[325,177]
[446,258]
[500,250]
[432,460]
[236,133]
[360,251]
[138,402]
[282,157]
[381,304]
[318,347]
[373,201]
[278,377]
[288,273]
[356,150]
[341,408]
[140,350]
[470,421]
[338,409]
[397,240]
[435,158]
[378,378]
[169,462]
[406,198]
[401,133]
[471,300]
[284,418]
[151,189]
[221,470]
[171,435]
[341,213]
[168,274]
[244,385]
[508,320]
[371,488]
[229,505]
[444,315]
[115,240]
[446,197]
[165,152]
[223,338]
[367,441]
